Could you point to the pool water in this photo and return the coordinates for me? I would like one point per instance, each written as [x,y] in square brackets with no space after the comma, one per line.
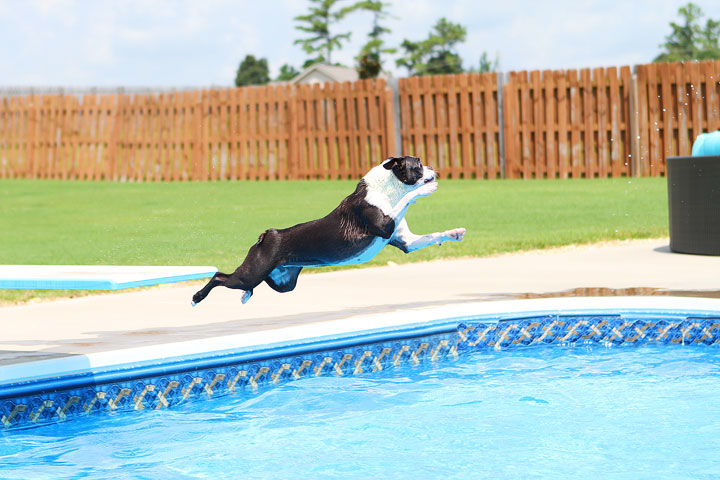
[535,412]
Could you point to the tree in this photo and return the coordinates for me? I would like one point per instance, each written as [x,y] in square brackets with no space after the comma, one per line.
[370,56]
[690,41]
[252,71]
[486,65]
[318,23]
[434,55]
[287,73]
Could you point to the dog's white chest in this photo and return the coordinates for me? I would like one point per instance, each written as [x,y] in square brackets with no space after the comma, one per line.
[379,200]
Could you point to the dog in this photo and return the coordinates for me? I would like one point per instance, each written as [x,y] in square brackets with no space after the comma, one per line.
[367,220]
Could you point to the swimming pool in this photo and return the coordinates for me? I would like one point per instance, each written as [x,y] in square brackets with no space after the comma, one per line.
[570,385]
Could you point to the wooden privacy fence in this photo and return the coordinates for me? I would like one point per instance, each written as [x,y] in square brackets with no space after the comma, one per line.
[567,123]
[602,122]
[675,103]
[606,121]
[272,132]
[451,122]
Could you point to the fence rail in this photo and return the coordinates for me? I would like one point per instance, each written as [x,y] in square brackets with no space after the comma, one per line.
[604,122]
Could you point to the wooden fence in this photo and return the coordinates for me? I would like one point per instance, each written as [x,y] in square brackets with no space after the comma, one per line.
[567,123]
[551,124]
[451,122]
[272,132]
[675,103]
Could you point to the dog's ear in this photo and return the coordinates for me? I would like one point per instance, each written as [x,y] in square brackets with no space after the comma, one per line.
[391,162]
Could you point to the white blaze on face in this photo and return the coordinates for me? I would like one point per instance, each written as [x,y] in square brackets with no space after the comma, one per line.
[385,190]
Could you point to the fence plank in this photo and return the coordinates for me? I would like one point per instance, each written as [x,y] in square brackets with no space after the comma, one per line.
[510,122]
[615,167]
[711,74]
[559,80]
[452,92]
[426,123]
[576,122]
[626,83]
[464,103]
[588,167]
[683,110]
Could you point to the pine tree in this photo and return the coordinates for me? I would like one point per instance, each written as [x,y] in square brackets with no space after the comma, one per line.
[689,41]
[434,55]
[323,16]
[370,56]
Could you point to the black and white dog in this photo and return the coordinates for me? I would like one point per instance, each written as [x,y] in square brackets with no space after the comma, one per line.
[364,222]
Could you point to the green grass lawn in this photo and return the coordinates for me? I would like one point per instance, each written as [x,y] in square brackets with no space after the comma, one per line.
[93,223]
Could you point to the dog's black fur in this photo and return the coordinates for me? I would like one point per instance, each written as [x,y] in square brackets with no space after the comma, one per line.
[280,254]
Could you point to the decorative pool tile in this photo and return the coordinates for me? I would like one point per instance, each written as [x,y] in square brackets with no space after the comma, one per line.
[158,392]
[167,390]
[609,329]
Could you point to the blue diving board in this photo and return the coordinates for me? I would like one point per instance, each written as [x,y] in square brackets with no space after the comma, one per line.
[95,277]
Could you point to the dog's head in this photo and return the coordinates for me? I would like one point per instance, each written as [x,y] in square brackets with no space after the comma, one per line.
[397,176]
[409,170]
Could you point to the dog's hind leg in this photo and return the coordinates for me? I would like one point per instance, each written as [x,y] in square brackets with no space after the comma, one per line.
[261,259]
[283,279]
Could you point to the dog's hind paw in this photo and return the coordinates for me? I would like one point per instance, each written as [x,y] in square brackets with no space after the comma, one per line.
[246,296]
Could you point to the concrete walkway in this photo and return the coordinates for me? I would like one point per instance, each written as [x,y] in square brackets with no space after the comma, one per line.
[161,315]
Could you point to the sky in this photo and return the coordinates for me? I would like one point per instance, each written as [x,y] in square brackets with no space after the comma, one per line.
[189,43]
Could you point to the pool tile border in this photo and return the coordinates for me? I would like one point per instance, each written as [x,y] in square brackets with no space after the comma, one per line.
[166,382]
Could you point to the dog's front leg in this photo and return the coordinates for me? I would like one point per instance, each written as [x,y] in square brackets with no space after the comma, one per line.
[408,242]
[398,212]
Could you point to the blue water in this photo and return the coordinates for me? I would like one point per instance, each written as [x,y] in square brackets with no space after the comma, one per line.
[539,412]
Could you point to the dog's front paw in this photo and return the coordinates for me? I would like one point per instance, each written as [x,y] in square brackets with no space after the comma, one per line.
[455,234]
[427,189]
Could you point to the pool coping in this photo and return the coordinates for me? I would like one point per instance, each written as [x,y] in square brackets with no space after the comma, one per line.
[15,378]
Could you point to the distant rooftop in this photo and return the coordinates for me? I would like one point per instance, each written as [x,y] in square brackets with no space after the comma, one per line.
[320,73]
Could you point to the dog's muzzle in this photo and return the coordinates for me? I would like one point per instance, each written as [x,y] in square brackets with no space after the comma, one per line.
[432,178]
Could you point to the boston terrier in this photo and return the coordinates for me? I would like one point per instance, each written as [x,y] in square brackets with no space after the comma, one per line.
[364,222]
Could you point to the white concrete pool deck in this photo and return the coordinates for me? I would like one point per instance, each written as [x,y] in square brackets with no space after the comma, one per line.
[163,315]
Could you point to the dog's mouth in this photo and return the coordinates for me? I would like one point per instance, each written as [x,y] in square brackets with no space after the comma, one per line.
[429,179]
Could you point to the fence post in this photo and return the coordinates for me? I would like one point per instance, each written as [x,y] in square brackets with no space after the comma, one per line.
[501,122]
[634,125]
[396,119]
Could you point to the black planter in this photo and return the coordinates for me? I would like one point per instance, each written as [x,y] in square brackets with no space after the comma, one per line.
[694,204]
